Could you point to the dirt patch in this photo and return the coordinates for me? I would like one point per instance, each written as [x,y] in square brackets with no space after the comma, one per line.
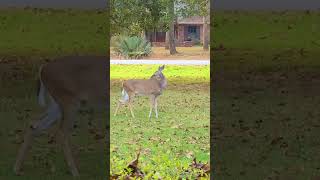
[189,53]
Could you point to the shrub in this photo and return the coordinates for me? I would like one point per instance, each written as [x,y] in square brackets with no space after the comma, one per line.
[114,40]
[132,47]
[195,40]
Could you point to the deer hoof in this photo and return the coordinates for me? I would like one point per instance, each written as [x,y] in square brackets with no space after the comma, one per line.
[17,172]
[75,173]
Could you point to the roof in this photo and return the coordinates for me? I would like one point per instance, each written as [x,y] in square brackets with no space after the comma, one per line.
[191,20]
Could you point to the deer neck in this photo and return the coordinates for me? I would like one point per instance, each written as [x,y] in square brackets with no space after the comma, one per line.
[161,82]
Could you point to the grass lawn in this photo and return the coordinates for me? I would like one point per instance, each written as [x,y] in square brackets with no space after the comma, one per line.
[266,30]
[18,108]
[189,53]
[266,95]
[47,32]
[27,38]
[182,131]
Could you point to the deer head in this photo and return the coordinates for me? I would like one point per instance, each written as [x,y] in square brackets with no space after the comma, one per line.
[158,75]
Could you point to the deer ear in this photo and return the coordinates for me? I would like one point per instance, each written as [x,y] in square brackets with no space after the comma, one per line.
[161,68]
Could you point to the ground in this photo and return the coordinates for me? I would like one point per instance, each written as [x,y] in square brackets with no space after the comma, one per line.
[266,85]
[30,37]
[184,53]
[182,131]
[19,108]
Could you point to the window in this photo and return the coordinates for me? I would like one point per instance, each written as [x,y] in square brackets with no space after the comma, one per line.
[192,29]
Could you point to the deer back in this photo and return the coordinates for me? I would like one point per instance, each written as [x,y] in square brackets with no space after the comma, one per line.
[76,78]
[142,86]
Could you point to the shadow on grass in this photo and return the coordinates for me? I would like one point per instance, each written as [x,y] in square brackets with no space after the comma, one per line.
[266,114]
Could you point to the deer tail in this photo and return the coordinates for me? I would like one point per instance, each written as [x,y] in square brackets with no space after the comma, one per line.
[42,92]
[125,96]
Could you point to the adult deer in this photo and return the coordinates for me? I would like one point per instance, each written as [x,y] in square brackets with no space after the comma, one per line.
[149,87]
[66,82]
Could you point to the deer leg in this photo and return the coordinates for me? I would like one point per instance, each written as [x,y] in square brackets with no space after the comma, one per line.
[151,106]
[23,150]
[47,120]
[118,106]
[123,101]
[99,128]
[156,107]
[65,134]
[130,105]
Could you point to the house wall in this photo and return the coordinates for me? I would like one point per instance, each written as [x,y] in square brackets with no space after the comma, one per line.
[180,36]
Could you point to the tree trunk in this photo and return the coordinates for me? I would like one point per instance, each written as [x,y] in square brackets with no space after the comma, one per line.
[172,44]
[167,40]
[205,34]
[206,20]
[143,35]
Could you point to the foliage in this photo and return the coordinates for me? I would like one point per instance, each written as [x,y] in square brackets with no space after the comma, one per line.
[163,166]
[185,8]
[132,47]
[194,38]
[134,16]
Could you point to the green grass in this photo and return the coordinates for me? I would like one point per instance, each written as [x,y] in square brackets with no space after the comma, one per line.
[266,94]
[267,30]
[28,36]
[18,108]
[182,130]
[195,74]
[49,32]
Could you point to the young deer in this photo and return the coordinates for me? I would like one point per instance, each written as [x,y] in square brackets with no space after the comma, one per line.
[66,83]
[149,87]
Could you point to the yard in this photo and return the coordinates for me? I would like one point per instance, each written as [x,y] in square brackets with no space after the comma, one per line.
[26,45]
[266,95]
[168,144]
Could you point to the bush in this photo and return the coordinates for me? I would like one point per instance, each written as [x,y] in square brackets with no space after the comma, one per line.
[132,47]
[195,40]
[114,40]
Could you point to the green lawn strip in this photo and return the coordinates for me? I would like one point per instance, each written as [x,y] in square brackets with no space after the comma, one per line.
[173,73]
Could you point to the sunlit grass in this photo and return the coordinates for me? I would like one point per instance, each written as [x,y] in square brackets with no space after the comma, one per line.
[182,131]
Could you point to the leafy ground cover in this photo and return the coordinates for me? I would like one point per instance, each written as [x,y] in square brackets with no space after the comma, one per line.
[168,144]
[266,93]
